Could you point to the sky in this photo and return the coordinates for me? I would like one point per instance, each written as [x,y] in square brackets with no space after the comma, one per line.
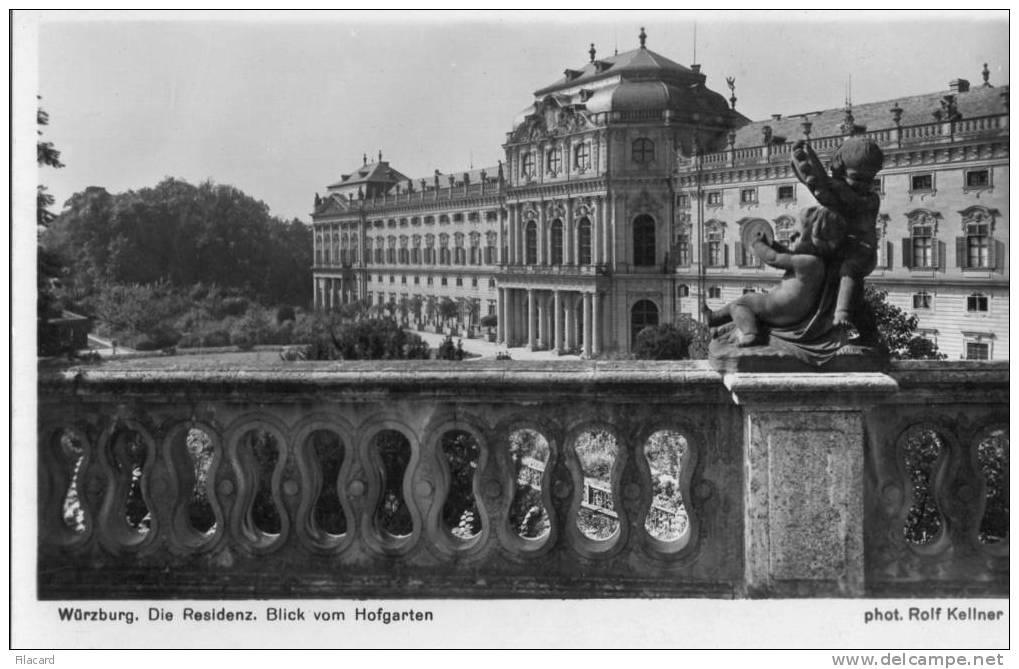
[280,105]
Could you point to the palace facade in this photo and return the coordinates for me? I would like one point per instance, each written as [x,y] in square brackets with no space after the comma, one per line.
[620,203]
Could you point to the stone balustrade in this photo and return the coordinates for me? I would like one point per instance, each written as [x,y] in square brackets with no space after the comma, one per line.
[518,479]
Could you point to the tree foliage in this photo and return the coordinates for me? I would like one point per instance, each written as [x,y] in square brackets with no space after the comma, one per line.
[897,329]
[183,234]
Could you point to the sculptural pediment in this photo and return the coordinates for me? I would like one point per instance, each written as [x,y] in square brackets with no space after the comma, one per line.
[551,118]
[644,203]
[978,214]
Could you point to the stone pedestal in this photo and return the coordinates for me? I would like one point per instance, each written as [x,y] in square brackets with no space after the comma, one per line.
[803,447]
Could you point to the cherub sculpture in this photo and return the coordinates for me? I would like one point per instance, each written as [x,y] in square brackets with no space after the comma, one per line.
[799,294]
[848,191]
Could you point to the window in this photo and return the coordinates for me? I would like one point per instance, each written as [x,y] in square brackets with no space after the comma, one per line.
[474,282]
[417,281]
[584,241]
[978,351]
[786,193]
[922,300]
[682,290]
[380,279]
[557,242]
[683,250]
[459,281]
[715,250]
[644,241]
[714,293]
[749,289]
[784,227]
[554,160]
[369,278]
[527,165]
[977,302]
[919,249]
[403,280]
[582,157]
[445,281]
[976,250]
[978,179]
[683,201]
[715,198]
[491,283]
[643,150]
[878,186]
[392,279]
[921,183]
[531,244]
[644,314]
[748,195]
[430,280]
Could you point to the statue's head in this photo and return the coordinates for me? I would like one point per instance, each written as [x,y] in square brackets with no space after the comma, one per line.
[821,232]
[858,161]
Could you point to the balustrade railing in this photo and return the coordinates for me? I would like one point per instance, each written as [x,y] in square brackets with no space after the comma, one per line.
[421,479]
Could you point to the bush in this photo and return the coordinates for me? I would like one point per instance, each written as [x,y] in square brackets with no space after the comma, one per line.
[243,341]
[285,313]
[190,340]
[216,338]
[159,337]
[377,339]
[662,342]
[447,351]
[233,306]
[489,321]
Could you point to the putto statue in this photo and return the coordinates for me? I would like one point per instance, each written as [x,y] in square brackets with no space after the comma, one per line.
[819,301]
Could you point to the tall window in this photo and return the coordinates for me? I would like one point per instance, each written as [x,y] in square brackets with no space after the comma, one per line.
[391,251]
[527,165]
[380,250]
[644,314]
[582,156]
[557,242]
[714,198]
[978,350]
[683,249]
[714,250]
[415,251]
[444,255]
[490,241]
[643,150]
[922,300]
[644,241]
[555,160]
[922,246]
[584,241]
[531,244]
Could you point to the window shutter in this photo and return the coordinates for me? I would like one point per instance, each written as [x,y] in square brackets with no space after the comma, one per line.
[992,255]
[907,256]
[705,258]
[960,252]
[725,262]
[998,258]
[739,255]
[940,259]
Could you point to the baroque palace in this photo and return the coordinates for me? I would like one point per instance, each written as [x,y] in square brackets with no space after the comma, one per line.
[621,199]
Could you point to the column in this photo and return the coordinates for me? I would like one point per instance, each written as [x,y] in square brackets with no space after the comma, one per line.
[511,244]
[542,226]
[803,449]
[330,294]
[530,319]
[595,324]
[586,350]
[611,255]
[596,234]
[500,323]
[557,315]
[571,321]
[606,238]
[317,290]
[542,340]
[569,253]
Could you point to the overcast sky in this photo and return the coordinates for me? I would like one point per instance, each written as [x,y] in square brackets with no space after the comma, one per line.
[281,105]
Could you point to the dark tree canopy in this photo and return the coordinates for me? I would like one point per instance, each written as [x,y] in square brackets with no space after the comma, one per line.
[183,234]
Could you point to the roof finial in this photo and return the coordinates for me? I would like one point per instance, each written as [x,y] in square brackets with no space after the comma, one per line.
[731,81]
[987,75]
[591,51]
[364,158]
[380,155]
[642,37]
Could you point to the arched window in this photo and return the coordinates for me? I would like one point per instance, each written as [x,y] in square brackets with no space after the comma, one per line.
[642,315]
[582,157]
[531,244]
[643,150]
[644,241]
[557,242]
[584,241]
[555,160]
[527,165]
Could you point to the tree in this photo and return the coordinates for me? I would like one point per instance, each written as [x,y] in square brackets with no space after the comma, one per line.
[682,340]
[49,264]
[897,330]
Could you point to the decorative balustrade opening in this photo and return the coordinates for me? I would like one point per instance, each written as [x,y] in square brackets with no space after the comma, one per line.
[992,464]
[72,455]
[392,517]
[666,453]
[128,454]
[328,451]
[460,512]
[597,451]
[200,450]
[259,450]
[528,515]
[923,456]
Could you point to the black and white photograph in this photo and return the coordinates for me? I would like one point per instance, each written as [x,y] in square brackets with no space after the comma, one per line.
[634,329]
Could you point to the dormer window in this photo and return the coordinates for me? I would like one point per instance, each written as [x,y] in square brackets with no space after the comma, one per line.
[527,165]
[554,160]
[643,150]
[571,74]
[582,156]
